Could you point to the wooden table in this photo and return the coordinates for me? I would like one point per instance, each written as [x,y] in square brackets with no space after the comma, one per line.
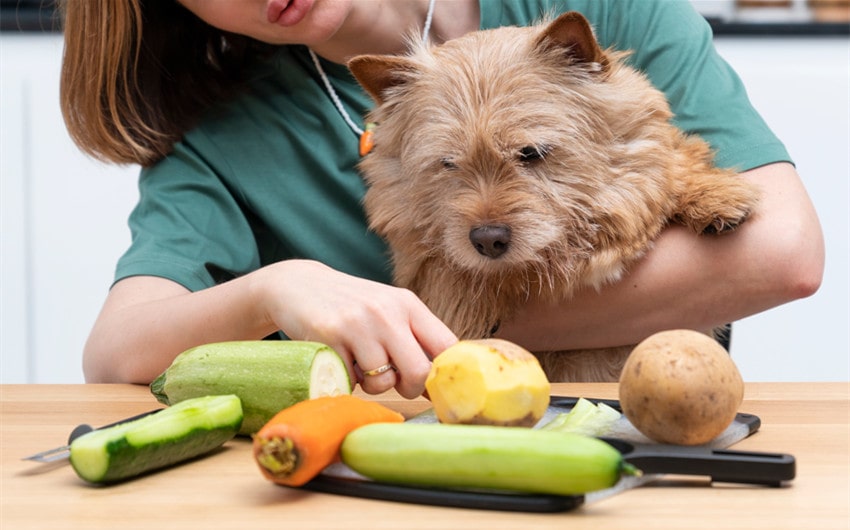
[226,491]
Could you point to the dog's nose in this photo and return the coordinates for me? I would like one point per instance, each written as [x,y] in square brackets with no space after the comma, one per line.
[491,240]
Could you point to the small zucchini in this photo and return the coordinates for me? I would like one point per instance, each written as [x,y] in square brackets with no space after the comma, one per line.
[480,456]
[267,375]
[186,430]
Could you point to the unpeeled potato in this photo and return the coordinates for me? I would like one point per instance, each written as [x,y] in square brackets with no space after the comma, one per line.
[680,387]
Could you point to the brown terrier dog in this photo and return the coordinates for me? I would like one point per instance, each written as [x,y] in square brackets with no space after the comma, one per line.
[528,161]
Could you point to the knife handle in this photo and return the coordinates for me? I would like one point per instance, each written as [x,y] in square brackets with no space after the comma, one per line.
[722,465]
[62,452]
[83,428]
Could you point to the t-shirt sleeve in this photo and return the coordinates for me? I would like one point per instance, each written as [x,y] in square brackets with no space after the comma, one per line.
[673,45]
[187,226]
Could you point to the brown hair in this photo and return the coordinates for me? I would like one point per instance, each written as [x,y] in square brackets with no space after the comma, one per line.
[136,75]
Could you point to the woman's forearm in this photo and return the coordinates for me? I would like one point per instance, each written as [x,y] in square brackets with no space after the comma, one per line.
[695,282]
[147,321]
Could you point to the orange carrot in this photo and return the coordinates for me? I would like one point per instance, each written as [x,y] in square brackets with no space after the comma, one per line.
[301,440]
[367,139]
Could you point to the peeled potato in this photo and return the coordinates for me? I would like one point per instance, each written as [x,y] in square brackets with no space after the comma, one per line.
[680,387]
[490,382]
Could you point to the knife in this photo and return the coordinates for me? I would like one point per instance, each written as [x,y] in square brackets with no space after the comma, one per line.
[64,451]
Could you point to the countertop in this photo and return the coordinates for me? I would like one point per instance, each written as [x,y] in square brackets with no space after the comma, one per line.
[225,490]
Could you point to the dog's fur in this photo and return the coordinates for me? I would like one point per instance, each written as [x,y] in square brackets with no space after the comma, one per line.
[522,162]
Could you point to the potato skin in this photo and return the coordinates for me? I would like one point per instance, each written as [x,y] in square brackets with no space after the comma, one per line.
[680,387]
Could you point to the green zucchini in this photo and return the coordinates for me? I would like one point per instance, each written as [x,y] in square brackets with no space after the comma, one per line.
[267,375]
[186,430]
[480,456]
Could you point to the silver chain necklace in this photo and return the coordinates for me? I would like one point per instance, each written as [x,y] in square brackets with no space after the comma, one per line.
[329,87]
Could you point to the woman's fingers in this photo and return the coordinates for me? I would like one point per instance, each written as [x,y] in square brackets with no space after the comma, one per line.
[377,380]
[375,371]
[373,326]
[430,332]
[424,337]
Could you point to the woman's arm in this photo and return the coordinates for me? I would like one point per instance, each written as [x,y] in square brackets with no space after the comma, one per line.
[686,281]
[695,282]
[147,321]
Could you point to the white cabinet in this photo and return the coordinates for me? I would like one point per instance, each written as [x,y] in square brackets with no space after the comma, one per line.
[63,221]
[63,216]
[802,88]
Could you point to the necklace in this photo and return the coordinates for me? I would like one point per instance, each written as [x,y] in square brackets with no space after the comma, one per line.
[364,135]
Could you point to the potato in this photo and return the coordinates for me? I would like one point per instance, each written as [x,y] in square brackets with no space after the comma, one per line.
[489,382]
[680,387]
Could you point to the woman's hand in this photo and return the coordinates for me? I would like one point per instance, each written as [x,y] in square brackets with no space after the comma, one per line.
[370,324]
[147,321]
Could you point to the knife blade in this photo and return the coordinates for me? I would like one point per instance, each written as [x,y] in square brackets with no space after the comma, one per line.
[63,452]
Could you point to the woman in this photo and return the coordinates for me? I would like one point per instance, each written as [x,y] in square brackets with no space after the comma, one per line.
[249,219]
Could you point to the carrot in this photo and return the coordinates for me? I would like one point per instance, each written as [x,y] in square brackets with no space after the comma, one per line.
[301,440]
[367,139]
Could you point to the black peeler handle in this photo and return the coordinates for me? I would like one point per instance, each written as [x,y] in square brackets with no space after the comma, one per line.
[84,428]
[722,465]
[63,451]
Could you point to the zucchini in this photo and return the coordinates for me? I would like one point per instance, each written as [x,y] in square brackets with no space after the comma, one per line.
[267,375]
[484,457]
[186,430]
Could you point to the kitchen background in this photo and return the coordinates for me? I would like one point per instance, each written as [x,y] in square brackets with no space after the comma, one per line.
[63,216]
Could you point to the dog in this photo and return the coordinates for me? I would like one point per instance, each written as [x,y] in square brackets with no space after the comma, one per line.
[519,162]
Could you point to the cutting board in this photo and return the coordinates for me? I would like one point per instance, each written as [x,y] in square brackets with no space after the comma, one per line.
[340,479]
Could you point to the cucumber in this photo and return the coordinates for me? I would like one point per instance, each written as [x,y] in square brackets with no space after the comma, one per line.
[267,375]
[186,430]
[484,457]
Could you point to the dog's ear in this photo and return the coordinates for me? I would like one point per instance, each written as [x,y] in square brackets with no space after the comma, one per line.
[572,33]
[378,73]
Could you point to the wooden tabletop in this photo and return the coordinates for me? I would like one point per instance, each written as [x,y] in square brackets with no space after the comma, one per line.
[226,491]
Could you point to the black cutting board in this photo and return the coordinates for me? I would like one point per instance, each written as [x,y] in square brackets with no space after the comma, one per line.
[341,480]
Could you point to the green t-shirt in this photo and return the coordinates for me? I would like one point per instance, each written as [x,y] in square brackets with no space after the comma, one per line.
[271,175]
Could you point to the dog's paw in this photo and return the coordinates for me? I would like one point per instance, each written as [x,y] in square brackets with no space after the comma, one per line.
[712,223]
[722,225]
[717,205]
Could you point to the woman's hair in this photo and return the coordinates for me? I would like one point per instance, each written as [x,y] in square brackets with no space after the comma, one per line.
[137,74]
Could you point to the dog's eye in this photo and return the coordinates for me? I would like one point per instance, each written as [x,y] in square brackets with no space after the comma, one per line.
[533,153]
[448,163]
